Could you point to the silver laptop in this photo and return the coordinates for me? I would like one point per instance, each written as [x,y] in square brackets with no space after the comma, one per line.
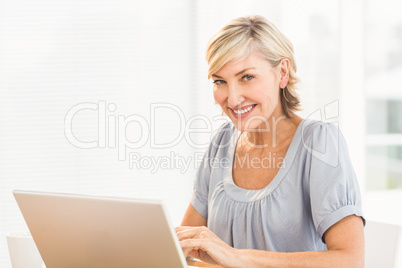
[87,231]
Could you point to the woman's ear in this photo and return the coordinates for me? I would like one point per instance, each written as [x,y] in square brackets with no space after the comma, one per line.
[284,72]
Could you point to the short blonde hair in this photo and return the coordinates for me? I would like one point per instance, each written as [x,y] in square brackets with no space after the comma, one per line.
[237,39]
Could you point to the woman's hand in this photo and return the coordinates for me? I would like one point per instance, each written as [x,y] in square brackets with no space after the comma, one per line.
[203,244]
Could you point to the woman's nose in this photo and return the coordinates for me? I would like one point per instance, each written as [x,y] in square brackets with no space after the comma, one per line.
[235,96]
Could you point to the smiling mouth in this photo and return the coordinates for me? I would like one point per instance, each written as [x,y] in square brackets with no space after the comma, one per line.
[243,111]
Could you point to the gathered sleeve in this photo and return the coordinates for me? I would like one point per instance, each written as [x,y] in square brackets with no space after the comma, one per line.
[333,186]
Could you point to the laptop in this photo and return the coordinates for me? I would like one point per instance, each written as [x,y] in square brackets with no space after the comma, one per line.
[90,231]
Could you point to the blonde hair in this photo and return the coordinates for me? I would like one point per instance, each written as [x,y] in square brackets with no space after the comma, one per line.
[238,38]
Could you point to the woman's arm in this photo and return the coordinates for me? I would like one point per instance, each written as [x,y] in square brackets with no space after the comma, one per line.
[345,243]
[193,218]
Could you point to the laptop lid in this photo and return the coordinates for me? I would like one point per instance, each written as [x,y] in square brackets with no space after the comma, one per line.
[88,231]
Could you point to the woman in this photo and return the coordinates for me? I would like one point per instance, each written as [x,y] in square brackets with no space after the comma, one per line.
[273,190]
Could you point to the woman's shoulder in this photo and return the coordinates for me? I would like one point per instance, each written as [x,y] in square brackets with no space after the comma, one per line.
[318,131]
[323,140]
[223,134]
[222,138]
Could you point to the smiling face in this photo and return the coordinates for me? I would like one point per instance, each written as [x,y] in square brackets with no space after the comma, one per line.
[248,90]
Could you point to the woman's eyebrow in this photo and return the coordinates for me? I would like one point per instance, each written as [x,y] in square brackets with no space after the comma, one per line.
[217,76]
[244,71]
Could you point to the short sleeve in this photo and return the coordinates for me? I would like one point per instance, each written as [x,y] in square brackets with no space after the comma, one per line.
[199,198]
[333,186]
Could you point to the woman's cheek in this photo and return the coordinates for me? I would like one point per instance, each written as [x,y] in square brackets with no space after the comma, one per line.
[219,96]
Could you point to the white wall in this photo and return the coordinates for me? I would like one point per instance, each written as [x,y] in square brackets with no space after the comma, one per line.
[55,55]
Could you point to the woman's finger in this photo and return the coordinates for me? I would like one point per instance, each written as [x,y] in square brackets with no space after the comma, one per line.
[192,232]
[181,228]
[199,244]
[189,233]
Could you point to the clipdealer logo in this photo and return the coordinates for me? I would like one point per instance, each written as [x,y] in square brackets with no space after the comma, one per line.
[112,132]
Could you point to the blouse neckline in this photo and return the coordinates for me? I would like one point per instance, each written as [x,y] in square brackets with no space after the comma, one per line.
[244,195]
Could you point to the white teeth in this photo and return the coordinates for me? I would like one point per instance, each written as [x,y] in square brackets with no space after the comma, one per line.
[244,110]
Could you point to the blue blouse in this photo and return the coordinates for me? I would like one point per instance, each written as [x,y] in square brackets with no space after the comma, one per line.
[315,187]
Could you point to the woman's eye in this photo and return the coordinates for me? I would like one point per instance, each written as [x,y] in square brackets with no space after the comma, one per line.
[247,77]
[218,82]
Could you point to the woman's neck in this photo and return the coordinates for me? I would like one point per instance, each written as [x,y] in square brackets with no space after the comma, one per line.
[274,132]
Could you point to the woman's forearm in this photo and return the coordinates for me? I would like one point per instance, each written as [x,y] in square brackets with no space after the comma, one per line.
[329,258]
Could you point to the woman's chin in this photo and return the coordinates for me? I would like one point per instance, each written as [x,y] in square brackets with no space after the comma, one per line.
[250,125]
[242,127]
